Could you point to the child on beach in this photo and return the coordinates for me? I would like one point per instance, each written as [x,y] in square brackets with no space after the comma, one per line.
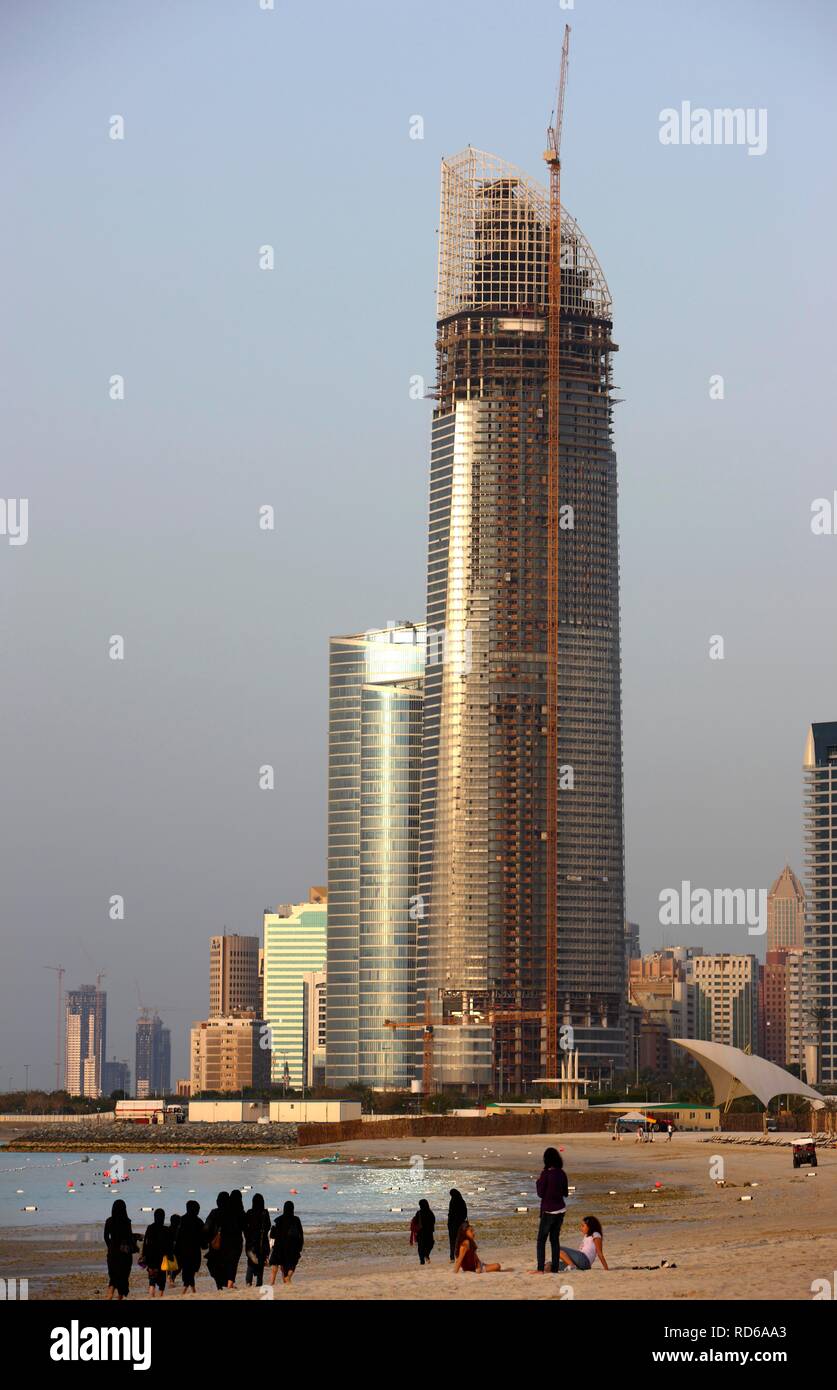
[467,1259]
[552,1188]
[591,1247]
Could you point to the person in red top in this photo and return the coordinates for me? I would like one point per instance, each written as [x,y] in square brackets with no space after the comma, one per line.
[552,1188]
[467,1259]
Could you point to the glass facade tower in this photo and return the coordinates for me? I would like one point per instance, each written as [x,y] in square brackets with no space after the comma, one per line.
[374,768]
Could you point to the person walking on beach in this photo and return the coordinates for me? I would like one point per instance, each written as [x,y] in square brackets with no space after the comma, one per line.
[670,1130]
[156,1247]
[188,1242]
[591,1247]
[256,1243]
[225,1237]
[552,1188]
[467,1259]
[288,1240]
[457,1216]
[121,1247]
[422,1228]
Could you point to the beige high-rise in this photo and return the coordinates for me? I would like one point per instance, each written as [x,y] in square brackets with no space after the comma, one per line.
[234,985]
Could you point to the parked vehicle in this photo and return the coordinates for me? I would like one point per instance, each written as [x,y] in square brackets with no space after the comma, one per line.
[804,1151]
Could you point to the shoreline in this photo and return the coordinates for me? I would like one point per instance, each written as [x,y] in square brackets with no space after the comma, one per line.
[771,1246]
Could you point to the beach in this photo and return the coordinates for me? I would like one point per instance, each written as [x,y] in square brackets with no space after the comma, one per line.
[771,1247]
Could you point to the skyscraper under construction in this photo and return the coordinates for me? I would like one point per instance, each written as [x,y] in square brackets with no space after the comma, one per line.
[521,848]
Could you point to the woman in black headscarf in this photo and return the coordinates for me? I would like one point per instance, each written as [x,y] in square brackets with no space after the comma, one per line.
[234,1235]
[121,1246]
[288,1240]
[214,1239]
[422,1228]
[156,1246]
[188,1241]
[457,1216]
[256,1243]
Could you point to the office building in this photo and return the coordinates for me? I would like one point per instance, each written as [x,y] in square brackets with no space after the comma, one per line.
[294,946]
[228,1054]
[233,974]
[727,999]
[820,971]
[85,1040]
[375,727]
[153,1057]
[786,912]
[314,1021]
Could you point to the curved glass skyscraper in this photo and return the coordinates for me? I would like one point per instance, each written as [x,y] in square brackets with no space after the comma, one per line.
[374,769]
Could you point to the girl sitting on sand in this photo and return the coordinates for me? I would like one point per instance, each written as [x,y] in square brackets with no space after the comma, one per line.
[591,1247]
[467,1259]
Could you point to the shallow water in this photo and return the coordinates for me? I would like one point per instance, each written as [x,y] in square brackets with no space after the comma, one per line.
[67,1190]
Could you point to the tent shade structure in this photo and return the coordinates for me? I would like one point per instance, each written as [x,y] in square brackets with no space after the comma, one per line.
[734,1073]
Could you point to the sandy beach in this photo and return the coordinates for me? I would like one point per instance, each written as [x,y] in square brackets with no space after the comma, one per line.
[771,1247]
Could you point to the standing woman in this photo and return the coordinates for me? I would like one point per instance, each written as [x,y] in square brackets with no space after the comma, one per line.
[457,1216]
[155,1247]
[187,1245]
[233,1241]
[214,1237]
[288,1240]
[422,1229]
[552,1188]
[256,1242]
[121,1246]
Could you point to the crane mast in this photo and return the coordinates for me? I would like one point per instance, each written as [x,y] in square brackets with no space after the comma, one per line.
[552,156]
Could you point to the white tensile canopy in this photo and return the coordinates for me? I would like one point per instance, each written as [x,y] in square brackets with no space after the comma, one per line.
[735,1073]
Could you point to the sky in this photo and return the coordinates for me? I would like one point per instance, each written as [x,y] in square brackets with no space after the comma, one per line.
[139,257]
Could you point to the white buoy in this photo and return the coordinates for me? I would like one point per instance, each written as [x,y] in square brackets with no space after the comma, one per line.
[522,1208]
[639,1206]
[745,1199]
[396,1208]
[30,1208]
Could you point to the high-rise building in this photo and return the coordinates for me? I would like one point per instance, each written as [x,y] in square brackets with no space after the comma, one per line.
[116,1076]
[727,999]
[375,724]
[228,1054]
[294,946]
[774,1007]
[153,1056]
[85,1040]
[233,974]
[314,1019]
[528,601]
[657,985]
[632,947]
[786,912]
[820,982]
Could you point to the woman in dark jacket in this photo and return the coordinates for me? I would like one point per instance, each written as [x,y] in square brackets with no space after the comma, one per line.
[552,1189]
[121,1247]
[234,1235]
[256,1242]
[187,1245]
[422,1228]
[214,1239]
[156,1246]
[457,1216]
[288,1240]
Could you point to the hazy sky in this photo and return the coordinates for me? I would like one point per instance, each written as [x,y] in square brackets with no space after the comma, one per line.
[245,387]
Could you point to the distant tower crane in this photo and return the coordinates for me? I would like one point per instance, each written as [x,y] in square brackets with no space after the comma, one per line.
[552,155]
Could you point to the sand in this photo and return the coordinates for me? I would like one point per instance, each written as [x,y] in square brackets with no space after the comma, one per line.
[772,1247]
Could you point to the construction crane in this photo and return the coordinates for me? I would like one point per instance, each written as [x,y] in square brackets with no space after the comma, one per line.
[426,1025]
[552,155]
[60,972]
